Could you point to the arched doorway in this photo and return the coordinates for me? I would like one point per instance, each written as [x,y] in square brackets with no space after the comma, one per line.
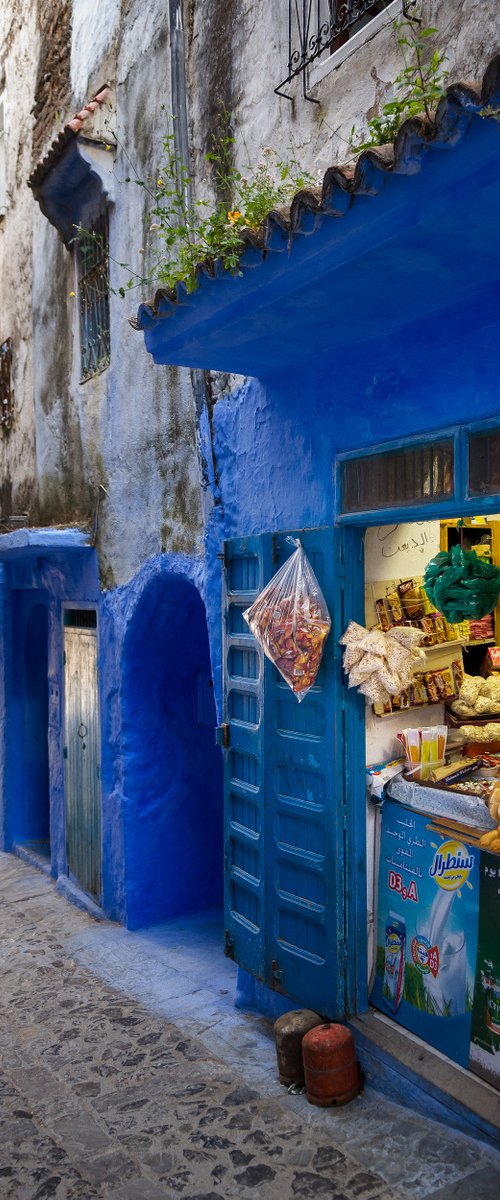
[172,768]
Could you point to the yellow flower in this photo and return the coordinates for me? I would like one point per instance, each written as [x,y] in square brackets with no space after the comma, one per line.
[233,217]
[72,295]
[159,182]
[108,147]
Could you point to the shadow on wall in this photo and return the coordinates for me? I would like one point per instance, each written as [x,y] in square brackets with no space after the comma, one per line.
[172,768]
[28,800]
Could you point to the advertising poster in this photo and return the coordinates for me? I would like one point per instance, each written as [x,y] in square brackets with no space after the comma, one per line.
[428,898]
[485,1035]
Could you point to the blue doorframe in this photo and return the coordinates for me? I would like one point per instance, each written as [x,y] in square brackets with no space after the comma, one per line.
[352,718]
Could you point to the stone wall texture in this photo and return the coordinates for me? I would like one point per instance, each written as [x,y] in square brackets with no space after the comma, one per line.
[134,428]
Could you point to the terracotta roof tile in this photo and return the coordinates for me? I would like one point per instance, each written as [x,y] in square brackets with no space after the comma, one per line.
[70,130]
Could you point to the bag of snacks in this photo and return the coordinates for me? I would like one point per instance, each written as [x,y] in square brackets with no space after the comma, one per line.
[291,621]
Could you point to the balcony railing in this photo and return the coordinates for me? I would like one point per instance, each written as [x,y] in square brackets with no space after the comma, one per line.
[316,27]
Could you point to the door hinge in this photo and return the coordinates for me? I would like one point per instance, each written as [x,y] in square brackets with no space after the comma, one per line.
[222,735]
[64,658]
[228,945]
[277,974]
[65,752]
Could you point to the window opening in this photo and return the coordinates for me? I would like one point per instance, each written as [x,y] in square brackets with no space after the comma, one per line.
[484,463]
[93,289]
[6,391]
[317,27]
[399,477]
[80,618]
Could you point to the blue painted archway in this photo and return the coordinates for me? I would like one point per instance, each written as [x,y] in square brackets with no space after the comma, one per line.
[172,798]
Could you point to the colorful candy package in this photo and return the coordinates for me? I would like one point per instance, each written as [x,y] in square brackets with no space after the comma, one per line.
[291,621]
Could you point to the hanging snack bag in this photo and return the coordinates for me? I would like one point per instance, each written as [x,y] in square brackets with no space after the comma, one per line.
[291,621]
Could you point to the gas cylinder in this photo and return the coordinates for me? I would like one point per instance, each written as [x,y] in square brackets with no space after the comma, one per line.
[288,1032]
[331,1070]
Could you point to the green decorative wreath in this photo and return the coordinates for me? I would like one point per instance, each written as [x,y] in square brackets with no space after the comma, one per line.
[461,586]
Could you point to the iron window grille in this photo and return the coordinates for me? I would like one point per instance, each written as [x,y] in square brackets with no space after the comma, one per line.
[6,391]
[484,463]
[93,293]
[316,27]
[80,618]
[403,476]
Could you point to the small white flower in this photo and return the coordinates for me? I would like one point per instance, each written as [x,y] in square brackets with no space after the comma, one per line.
[154,227]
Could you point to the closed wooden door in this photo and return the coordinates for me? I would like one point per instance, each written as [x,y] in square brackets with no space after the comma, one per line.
[81,754]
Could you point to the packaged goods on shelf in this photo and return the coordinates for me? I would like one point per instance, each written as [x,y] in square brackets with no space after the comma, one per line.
[429,687]
[478,696]
[491,661]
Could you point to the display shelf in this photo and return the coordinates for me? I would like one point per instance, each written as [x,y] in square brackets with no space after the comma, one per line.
[491,641]
[451,645]
[400,712]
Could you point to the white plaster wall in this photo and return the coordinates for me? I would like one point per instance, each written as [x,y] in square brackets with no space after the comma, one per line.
[18,44]
[318,133]
[94,25]
[133,427]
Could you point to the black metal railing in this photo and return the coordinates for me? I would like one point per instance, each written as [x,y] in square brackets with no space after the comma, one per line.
[316,27]
[93,294]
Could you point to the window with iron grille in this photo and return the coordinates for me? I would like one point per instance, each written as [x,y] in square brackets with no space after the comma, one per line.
[93,294]
[484,463]
[317,27]
[395,478]
[6,392]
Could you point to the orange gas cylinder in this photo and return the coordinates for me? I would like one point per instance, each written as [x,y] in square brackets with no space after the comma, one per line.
[331,1070]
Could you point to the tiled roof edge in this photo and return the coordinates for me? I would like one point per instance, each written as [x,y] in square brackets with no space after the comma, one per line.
[69,131]
[341,184]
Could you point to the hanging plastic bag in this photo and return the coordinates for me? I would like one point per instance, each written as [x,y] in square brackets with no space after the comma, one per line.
[291,621]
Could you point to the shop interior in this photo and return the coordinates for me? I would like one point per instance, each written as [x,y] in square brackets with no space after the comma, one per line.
[433,778]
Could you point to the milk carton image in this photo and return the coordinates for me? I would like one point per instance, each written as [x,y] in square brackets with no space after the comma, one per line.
[394,971]
[427,925]
[439,952]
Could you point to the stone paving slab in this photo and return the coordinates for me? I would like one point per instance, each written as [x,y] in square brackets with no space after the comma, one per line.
[111,1089]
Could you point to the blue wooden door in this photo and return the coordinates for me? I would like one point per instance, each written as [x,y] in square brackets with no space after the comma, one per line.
[244,768]
[287,850]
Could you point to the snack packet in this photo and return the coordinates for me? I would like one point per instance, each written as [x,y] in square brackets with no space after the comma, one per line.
[291,621]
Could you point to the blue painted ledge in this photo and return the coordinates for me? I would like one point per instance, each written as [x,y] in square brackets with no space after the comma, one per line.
[24,543]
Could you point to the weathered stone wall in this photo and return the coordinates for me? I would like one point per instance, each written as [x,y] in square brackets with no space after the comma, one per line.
[249,59]
[18,47]
[132,429]
[52,87]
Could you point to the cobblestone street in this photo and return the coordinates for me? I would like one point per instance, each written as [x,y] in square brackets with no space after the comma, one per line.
[104,1095]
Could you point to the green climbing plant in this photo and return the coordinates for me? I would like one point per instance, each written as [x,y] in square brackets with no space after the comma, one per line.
[418,88]
[185,231]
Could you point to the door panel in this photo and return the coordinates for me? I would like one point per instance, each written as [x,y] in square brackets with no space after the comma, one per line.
[81,752]
[283,790]
[244,759]
[305,813]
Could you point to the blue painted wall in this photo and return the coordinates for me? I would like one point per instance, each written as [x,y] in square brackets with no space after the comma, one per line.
[162,773]
[34,591]
[275,443]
